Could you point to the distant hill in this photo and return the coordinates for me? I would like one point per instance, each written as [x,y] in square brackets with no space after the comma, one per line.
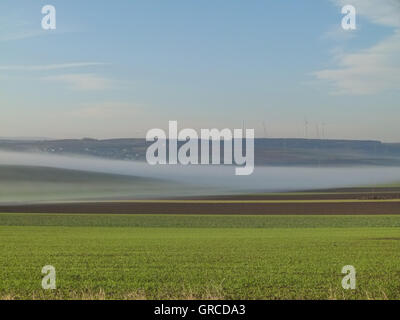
[273,152]
[25,138]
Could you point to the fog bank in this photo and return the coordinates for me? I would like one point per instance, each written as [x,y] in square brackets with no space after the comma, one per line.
[264,179]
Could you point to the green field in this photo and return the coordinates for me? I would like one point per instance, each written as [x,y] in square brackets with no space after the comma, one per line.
[210,257]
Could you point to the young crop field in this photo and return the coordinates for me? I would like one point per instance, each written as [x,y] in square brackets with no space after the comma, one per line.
[206,257]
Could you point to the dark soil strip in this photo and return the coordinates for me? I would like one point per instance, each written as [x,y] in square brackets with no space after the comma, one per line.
[355,208]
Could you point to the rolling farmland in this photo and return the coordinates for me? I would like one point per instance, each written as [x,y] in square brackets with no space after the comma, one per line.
[194,256]
[105,244]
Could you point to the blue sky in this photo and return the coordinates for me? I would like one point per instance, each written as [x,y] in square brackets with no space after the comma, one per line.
[120,68]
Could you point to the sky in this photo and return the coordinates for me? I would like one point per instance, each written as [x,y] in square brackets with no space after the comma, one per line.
[115,69]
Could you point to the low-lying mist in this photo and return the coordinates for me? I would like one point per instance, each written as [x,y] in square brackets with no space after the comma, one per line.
[215,179]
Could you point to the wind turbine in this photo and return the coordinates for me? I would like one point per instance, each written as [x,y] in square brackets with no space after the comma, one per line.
[317,131]
[265,130]
[306,128]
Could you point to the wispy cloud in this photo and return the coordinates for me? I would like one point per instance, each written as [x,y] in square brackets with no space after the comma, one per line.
[105,110]
[366,72]
[16,28]
[337,33]
[371,70]
[82,81]
[20,35]
[49,67]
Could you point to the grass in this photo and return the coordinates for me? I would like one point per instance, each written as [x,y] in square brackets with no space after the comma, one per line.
[198,221]
[388,185]
[209,257]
